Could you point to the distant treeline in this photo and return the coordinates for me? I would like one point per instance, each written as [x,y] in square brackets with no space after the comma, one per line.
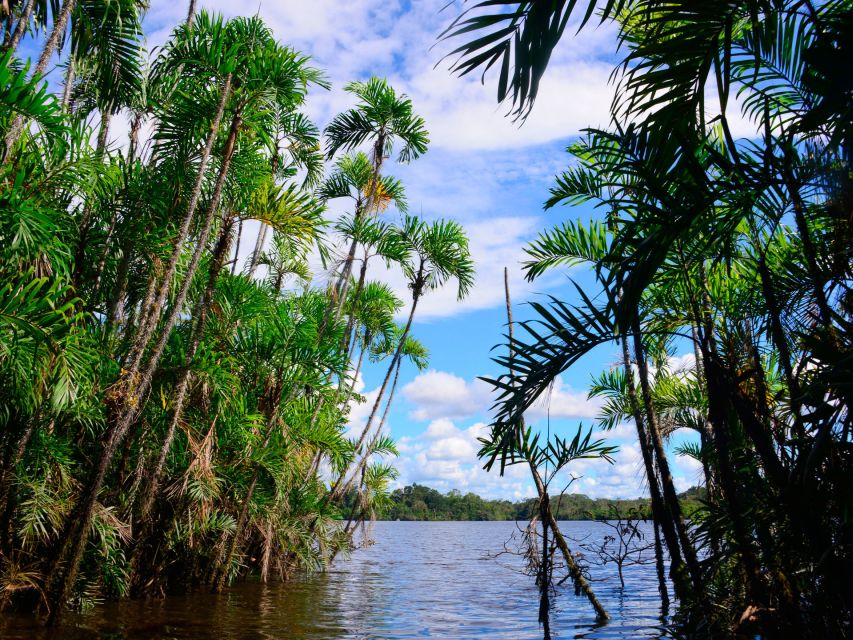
[417,502]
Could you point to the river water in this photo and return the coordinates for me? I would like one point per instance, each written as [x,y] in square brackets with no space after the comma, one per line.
[419,580]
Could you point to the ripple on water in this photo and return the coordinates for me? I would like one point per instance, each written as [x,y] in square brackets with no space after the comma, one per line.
[420,580]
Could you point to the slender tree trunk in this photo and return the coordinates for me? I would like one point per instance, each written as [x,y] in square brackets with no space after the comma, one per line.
[7,482]
[659,512]
[397,355]
[23,23]
[68,84]
[809,251]
[149,319]
[364,459]
[237,247]
[542,491]
[104,132]
[777,333]
[86,218]
[670,496]
[362,276]
[59,26]
[718,417]
[135,127]
[544,569]
[258,250]
[661,571]
[191,12]
[200,313]
[115,313]
[334,493]
[128,410]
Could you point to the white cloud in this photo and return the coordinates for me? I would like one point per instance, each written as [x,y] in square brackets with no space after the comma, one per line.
[562,401]
[438,394]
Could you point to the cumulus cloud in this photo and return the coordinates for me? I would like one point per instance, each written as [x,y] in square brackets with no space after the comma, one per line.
[439,394]
[444,457]
[562,401]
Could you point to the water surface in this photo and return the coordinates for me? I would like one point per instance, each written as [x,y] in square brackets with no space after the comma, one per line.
[419,580]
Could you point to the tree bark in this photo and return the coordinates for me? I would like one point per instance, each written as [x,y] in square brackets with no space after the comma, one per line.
[68,83]
[23,22]
[670,497]
[191,12]
[334,493]
[130,402]
[574,571]
[659,512]
[200,313]
[59,26]
[150,318]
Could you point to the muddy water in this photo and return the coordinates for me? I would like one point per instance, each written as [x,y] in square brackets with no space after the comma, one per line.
[420,579]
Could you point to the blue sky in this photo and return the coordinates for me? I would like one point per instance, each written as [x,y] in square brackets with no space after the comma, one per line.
[489,174]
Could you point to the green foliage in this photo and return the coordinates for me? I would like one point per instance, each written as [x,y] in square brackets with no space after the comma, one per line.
[166,414]
[417,502]
[736,250]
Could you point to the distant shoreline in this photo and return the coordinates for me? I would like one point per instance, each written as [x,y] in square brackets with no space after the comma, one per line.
[419,503]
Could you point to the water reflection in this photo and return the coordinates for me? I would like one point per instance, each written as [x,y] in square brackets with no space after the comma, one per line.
[431,579]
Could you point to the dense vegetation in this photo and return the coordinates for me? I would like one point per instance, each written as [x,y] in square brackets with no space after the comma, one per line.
[170,414]
[417,502]
[737,250]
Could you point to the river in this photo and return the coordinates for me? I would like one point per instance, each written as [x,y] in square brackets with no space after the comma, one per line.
[420,579]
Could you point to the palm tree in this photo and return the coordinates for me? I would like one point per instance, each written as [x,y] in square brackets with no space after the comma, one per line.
[140,376]
[381,118]
[438,252]
[264,73]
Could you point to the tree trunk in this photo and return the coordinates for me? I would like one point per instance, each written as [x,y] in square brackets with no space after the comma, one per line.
[334,493]
[364,459]
[200,313]
[670,497]
[130,403]
[86,218]
[397,354]
[68,83]
[59,26]
[237,247]
[809,251]
[150,318]
[191,12]
[135,126]
[661,571]
[362,276]
[544,568]
[777,333]
[659,512]
[574,571]
[23,23]
[258,250]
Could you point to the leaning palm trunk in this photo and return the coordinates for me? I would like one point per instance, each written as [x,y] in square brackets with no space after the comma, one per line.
[659,512]
[201,312]
[548,519]
[130,404]
[258,250]
[362,276]
[23,21]
[156,296]
[56,34]
[68,84]
[670,497]
[362,465]
[335,492]
[191,12]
